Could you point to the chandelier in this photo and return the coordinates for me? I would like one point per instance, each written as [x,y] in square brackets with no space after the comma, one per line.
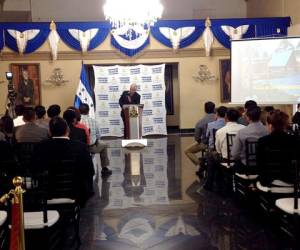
[134,15]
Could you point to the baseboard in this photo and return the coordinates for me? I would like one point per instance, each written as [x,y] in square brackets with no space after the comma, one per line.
[177,130]
[187,131]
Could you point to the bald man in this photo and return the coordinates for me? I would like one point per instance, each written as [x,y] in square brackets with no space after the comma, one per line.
[129,97]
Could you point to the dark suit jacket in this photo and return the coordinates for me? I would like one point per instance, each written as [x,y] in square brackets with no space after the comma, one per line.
[296,118]
[51,151]
[26,90]
[278,148]
[135,99]
[77,134]
[30,132]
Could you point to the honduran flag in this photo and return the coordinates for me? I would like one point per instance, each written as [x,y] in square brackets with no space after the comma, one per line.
[84,93]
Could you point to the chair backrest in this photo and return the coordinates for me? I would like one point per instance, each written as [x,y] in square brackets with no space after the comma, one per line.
[296,164]
[25,154]
[214,137]
[34,198]
[278,165]
[251,161]
[61,179]
[229,142]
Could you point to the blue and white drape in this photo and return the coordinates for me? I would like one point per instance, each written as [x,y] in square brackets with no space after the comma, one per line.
[26,38]
[130,46]
[177,34]
[224,30]
[83,36]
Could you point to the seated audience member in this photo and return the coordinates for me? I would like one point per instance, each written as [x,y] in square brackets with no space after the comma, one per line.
[96,145]
[200,142]
[53,111]
[60,147]
[76,134]
[41,121]
[296,117]
[7,128]
[248,105]
[231,126]
[30,132]
[18,121]
[278,140]
[253,131]
[215,125]
[81,125]
[265,113]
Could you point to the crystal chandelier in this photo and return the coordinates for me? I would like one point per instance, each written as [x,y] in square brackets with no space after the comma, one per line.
[137,15]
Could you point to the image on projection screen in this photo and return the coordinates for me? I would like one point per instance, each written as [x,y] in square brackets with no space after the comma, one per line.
[267,70]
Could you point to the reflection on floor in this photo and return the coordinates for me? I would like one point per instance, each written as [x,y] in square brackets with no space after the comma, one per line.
[154,201]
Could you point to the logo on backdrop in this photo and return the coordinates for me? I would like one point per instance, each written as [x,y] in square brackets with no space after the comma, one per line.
[102,80]
[114,71]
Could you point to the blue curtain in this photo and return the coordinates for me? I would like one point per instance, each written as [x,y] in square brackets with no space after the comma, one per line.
[1,38]
[126,51]
[32,45]
[225,40]
[63,31]
[258,27]
[175,24]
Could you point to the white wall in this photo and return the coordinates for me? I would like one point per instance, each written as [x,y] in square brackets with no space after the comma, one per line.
[91,10]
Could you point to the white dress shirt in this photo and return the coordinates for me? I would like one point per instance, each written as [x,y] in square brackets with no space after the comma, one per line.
[18,121]
[221,143]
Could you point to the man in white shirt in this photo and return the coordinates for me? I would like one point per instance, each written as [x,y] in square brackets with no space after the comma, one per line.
[231,127]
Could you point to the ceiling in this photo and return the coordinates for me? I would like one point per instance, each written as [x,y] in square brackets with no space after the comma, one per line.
[91,10]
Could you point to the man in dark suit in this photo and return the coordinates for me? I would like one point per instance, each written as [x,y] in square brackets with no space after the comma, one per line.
[60,147]
[76,134]
[30,132]
[26,90]
[129,97]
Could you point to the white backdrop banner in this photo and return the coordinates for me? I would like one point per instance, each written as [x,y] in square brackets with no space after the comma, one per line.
[111,81]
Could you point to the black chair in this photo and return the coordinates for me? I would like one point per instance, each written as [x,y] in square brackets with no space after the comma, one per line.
[24,152]
[41,225]
[63,193]
[226,165]
[3,230]
[245,182]
[289,207]
[275,179]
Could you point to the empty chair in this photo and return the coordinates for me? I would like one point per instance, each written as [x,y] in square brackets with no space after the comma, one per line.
[63,193]
[42,230]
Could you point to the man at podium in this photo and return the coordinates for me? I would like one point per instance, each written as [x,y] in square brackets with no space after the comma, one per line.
[129,97]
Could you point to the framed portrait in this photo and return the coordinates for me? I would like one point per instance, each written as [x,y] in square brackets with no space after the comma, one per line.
[27,83]
[225,80]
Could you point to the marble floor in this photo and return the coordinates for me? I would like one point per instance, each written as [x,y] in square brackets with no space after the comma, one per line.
[153,200]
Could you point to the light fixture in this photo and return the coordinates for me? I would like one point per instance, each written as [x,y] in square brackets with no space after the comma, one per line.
[204,74]
[137,15]
[57,78]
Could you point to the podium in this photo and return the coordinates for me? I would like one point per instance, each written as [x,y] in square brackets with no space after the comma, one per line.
[133,126]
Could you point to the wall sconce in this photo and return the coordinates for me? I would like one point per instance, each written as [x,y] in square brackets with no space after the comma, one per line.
[204,74]
[57,78]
